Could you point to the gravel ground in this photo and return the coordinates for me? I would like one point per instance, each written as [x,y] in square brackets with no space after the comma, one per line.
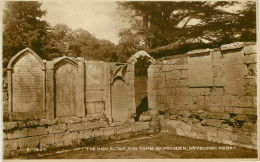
[160,146]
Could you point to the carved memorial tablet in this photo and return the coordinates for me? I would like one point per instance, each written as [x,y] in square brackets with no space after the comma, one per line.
[27,84]
[234,69]
[65,89]
[120,102]
[200,69]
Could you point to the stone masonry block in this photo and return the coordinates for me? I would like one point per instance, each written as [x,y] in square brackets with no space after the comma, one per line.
[90,108]
[123,130]
[194,91]
[108,131]
[84,134]
[70,137]
[95,125]
[217,92]
[252,70]
[205,91]
[75,126]
[213,100]
[245,111]
[99,107]
[219,82]
[254,138]
[29,142]
[58,128]
[244,101]
[218,71]
[250,49]
[59,139]
[228,100]
[98,133]
[250,59]
[224,134]
[184,74]
[46,140]
[38,131]
[10,144]
[92,96]
[138,127]
[244,138]
[18,134]
[9,125]
[249,126]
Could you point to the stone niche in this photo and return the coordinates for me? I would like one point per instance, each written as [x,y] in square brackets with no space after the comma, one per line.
[200,68]
[65,87]
[119,95]
[26,86]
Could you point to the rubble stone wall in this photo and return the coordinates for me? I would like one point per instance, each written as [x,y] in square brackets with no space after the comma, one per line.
[214,100]
[20,137]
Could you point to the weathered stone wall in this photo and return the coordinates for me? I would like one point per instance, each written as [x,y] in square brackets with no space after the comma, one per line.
[21,136]
[77,108]
[213,100]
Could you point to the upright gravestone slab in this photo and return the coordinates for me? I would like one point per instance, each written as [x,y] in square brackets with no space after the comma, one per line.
[65,89]
[234,68]
[120,101]
[200,68]
[26,73]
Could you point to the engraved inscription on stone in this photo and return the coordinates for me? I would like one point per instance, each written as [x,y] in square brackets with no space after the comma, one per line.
[65,89]
[234,73]
[200,71]
[27,81]
[119,101]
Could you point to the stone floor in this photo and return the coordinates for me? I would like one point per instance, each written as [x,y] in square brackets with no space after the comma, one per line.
[151,147]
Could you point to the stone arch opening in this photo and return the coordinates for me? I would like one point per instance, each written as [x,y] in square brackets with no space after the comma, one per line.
[141,60]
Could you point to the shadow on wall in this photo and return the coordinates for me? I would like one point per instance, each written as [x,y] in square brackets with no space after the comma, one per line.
[142,107]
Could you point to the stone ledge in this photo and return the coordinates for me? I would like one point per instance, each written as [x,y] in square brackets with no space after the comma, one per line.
[199,52]
[232,46]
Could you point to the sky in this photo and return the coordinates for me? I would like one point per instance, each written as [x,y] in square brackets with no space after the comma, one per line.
[100,17]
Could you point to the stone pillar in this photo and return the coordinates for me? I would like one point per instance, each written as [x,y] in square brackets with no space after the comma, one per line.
[10,97]
[81,112]
[131,88]
[50,90]
[107,89]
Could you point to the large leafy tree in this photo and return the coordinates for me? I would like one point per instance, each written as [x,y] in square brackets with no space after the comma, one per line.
[191,24]
[63,41]
[23,27]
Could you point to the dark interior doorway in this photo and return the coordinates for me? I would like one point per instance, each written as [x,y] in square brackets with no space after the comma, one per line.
[141,77]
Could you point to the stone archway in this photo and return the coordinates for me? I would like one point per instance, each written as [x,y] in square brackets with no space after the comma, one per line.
[141,61]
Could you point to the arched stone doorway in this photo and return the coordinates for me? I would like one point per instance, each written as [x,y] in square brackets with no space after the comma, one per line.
[141,60]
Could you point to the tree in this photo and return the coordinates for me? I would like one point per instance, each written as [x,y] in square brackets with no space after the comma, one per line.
[63,41]
[173,25]
[23,27]
[59,39]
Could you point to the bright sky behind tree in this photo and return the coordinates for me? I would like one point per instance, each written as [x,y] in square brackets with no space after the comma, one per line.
[98,17]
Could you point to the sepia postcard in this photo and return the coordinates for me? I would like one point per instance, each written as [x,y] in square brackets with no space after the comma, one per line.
[129,80]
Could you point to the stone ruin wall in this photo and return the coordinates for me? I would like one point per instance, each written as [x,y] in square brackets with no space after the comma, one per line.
[73,106]
[208,94]
[205,94]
